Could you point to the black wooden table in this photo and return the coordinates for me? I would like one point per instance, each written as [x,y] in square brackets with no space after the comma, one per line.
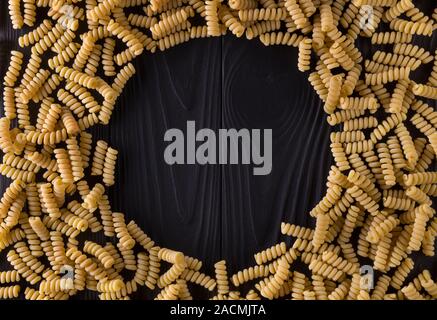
[214,212]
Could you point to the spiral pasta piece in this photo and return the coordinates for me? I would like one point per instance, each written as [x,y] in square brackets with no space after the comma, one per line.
[109,166]
[400,7]
[122,232]
[77,77]
[10,292]
[386,164]
[287,38]
[270,253]
[246,275]
[90,202]
[389,75]
[364,199]
[165,26]
[377,232]
[99,158]
[281,275]
[110,285]
[304,55]
[102,10]
[75,158]
[64,165]
[359,103]
[320,233]
[14,68]
[401,273]
[21,267]
[9,276]
[221,277]
[48,199]
[140,237]
[333,94]
[100,253]
[411,292]
[391,37]
[420,178]
[74,221]
[232,23]
[333,195]
[321,268]
[341,56]
[410,27]
[296,231]
[364,183]
[425,91]
[262,14]
[173,39]
[422,213]
[86,263]
[154,268]
[334,260]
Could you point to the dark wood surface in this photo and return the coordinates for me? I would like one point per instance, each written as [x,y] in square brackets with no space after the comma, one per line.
[214,212]
[217,211]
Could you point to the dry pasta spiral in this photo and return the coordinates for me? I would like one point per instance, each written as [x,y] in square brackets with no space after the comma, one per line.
[164,27]
[246,275]
[262,14]
[401,273]
[121,231]
[14,68]
[110,285]
[9,276]
[221,277]
[35,35]
[410,27]
[9,292]
[171,275]
[364,199]
[19,265]
[333,94]
[333,259]
[420,178]
[391,37]
[389,75]
[64,165]
[142,268]
[154,268]
[341,56]
[380,187]
[77,77]
[321,268]
[75,159]
[287,38]
[270,253]
[422,216]
[86,263]
[425,91]
[109,166]
[277,281]
[398,9]
[90,202]
[173,39]
[304,55]
[100,253]
[232,23]
[48,200]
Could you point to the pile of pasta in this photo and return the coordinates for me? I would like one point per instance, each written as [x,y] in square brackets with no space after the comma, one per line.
[72,66]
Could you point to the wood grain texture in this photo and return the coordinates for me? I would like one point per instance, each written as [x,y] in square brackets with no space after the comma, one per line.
[214,212]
